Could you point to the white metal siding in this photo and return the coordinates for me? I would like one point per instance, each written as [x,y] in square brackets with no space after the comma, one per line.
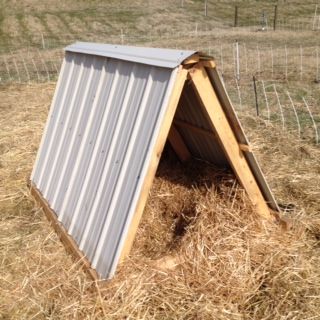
[94,155]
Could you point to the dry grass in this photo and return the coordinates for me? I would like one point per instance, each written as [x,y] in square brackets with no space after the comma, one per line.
[232,265]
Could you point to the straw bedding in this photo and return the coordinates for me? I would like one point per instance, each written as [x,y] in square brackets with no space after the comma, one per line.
[200,251]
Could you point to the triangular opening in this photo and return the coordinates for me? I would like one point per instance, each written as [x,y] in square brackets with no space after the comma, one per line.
[191,134]
[198,153]
[192,159]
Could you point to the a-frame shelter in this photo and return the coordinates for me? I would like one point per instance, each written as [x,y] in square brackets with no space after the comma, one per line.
[113,110]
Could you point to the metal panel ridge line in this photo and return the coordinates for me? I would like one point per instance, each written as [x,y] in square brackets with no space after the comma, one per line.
[168,58]
[68,121]
[138,121]
[56,125]
[94,106]
[73,179]
[114,143]
[48,123]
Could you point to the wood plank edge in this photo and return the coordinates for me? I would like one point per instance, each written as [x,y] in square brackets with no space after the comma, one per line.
[167,121]
[191,60]
[69,244]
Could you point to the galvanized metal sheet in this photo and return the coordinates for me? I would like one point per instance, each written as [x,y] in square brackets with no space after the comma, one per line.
[168,58]
[100,134]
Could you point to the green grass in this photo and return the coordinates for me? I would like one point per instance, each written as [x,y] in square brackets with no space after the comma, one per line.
[117,15]
[42,18]
[68,29]
[4,37]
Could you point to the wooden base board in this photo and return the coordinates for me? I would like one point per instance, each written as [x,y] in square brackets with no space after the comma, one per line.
[65,238]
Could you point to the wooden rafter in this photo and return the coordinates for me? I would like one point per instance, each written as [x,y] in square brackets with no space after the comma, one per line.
[178,145]
[227,139]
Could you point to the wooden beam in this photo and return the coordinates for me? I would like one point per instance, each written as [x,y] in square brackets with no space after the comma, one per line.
[178,144]
[208,133]
[208,63]
[195,129]
[192,59]
[155,157]
[227,139]
[65,238]
[245,147]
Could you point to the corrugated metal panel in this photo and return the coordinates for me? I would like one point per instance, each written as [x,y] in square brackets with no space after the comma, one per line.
[241,137]
[203,146]
[105,117]
[168,58]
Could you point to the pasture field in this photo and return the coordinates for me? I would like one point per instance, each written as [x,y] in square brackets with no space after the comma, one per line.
[230,264]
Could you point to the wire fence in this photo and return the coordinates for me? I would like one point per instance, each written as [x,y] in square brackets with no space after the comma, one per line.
[237,62]
[294,112]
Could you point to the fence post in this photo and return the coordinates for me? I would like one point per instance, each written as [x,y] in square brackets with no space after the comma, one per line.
[205,8]
[237,60]
[275,17]
[312,119]
[7,67]
[239,94]
[266,99]
[286,57]
[122,36]
[42,42]
[221,59]
[25,67]
[35,67]
[271,49]
[255,94]
[16,67]
[315,17]
[259,61]
[279,104]
[245,57]
[301,60]
[317,64]
[235,16]
[44,64]
[295,113]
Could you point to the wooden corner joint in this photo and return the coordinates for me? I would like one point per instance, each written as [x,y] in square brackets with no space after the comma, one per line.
[208,64]
[192,59]
[245,147]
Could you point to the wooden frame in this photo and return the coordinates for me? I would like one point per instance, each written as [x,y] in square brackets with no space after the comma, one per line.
[233,150]
[222,130]
[178,144]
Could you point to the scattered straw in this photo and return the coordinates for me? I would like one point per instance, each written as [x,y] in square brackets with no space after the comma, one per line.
[230,264]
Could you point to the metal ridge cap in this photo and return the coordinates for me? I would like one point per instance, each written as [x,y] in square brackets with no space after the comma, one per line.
[161,57]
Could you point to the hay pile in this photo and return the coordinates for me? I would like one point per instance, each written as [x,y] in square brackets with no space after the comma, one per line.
[230,264]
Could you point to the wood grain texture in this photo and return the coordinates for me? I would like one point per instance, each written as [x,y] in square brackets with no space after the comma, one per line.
[227,139]
[178,145]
